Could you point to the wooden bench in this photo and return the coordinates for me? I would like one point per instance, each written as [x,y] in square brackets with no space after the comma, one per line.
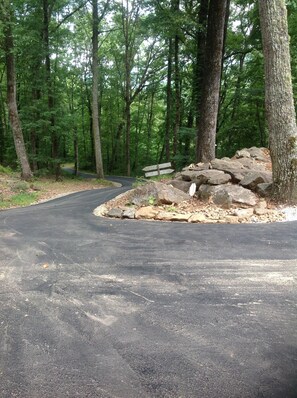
[158,169]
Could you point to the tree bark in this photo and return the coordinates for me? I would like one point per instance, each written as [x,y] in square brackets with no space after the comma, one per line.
[14,119]
[168,101]
[200,56]
[205,150]
[95,99]
[280,112]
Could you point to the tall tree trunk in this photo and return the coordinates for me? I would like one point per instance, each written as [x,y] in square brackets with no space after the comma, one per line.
[95,99]
[205,150]
[177,92]
[200,56]
[127,88]
[168,101]
[150,120]
[50,94]
[14,119]
[280,112]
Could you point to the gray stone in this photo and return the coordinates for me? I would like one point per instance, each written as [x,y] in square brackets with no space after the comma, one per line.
[226,195]
[197,167]
[222,198]
[205,192]
[231,167]
[129,212]
[264,189]
[157,193]
[169,195]
[259,154]
[212,177]
[254,178]
[243,213]
[115,213]
[249,163]
[181,185]
[243,153]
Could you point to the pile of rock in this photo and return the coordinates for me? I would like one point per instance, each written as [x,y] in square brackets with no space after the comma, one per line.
[227,190]
[230,181]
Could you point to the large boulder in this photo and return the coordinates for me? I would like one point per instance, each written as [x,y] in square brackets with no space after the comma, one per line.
[156,193]
[226,195]
[252,179]
[232,167]
[212,177]
[181,185]
[261,154]
[264,189]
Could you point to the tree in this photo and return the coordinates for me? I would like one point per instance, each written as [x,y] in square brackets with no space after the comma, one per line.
[211,81]
[280,112]
[6,14]
[95,107]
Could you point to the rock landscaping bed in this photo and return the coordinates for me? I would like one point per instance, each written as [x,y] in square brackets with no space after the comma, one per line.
[226,190]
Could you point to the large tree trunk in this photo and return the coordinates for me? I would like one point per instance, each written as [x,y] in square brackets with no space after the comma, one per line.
[200,56]
[168,101]
[95,106]
[280,112]
[51,103]
[205,151]
[14,119]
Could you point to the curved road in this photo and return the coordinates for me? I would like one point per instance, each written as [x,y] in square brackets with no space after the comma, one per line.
[94,307]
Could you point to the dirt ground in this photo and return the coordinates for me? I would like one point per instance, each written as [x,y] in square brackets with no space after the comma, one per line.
[15,192]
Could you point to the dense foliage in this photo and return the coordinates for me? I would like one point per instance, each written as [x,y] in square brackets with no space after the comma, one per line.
[139,107]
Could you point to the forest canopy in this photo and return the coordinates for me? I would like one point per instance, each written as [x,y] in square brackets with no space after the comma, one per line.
[151,62]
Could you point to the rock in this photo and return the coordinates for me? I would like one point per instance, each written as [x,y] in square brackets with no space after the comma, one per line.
[146,212]
[243,153]
[169,195]
[260,211]
[197,217]
[212,177]
[205,192]
[157,193]
[262,204]
[250,164]
[101,211]
[252,179]
[264,189]
[232,167]
[129,212]
[243,213]
[261,208]
[164,216]
[261,154]
[181,217]
[181,185]
[222,198]
[231,219]
[115,213]
[226,195]
[197,167]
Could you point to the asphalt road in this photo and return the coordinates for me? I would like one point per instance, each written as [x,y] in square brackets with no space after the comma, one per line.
[94,307]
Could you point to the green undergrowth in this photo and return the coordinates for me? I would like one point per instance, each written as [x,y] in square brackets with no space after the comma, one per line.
[5,170]
[19,199]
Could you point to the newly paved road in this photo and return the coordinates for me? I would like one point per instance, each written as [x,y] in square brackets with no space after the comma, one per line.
[92,307]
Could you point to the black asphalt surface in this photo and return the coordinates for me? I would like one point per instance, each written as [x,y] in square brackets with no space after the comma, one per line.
[94,307]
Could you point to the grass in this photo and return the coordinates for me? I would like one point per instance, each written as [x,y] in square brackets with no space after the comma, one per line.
[5,170]
[20,199]
[15,192]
